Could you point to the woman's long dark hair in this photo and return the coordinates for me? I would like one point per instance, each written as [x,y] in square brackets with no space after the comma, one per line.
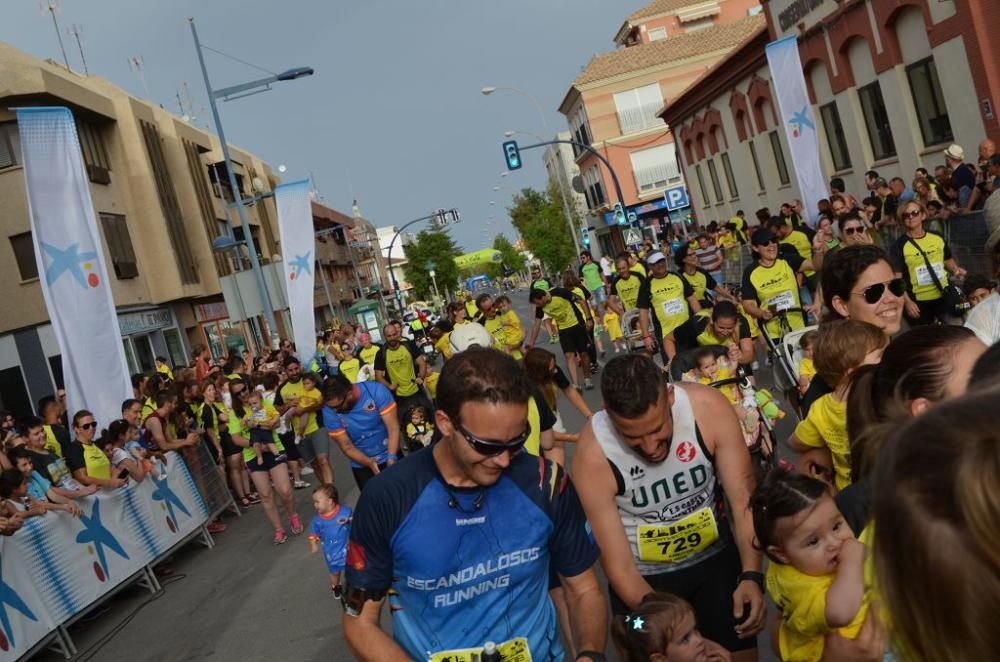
[536,364]
[238,408]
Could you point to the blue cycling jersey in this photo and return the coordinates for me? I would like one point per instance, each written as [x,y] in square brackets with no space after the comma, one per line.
[363,423]
[463,566]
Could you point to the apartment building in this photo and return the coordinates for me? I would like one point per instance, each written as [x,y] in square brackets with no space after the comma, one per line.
[159,188]
[612,105]
[892,84]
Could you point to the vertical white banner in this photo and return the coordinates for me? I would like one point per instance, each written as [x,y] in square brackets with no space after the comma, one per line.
[298,248]
[799,121]
[72,272]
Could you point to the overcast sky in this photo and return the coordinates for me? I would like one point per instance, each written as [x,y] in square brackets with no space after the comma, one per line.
[393,115]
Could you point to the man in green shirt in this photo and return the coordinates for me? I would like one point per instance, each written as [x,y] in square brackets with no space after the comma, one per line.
[594,280]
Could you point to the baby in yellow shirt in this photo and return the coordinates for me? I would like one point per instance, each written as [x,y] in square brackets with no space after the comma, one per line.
[807,369]
[612,322]
[310,397]
[841,347]
[816,575]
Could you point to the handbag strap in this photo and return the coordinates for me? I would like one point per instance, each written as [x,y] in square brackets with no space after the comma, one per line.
[927,261]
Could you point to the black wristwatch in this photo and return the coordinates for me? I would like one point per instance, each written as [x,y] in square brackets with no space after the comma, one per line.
[591,655]
[753,576]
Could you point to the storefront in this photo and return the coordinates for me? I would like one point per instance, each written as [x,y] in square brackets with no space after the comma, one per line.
[149,333]
[218,333]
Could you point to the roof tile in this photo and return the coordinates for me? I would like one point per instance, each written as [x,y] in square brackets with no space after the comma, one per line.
[661,7]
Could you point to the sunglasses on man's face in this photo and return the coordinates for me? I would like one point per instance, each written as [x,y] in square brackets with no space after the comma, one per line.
[493,448]
[874,293]
[852,229]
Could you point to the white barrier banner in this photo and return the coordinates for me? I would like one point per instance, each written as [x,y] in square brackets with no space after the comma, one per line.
[799,121]
[67,563]
[298,247]
[72,272]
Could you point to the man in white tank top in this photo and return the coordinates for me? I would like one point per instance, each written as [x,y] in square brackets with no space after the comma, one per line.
[649,468]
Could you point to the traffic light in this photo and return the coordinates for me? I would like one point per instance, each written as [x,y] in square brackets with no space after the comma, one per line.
[689,219]
[586,237]
[512,154]
[620,217]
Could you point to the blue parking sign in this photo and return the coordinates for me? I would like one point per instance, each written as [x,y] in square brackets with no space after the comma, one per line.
[676,198]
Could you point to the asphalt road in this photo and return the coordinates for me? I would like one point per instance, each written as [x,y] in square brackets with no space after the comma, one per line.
[248,600]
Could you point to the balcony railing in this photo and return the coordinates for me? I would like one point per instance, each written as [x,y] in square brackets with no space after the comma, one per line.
[656,177]
[639,118]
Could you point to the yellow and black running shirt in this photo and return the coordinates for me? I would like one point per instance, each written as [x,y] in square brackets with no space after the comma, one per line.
[561,308]
[367,354]
[627,289]
[775,287]
[907,260]
[700,281]
[668,297]
[800,242]
[399,366]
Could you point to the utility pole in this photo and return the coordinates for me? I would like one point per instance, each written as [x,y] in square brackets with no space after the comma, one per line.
[52,7]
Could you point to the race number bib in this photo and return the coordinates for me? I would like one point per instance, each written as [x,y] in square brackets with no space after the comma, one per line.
[782,301]
[673,307]
[675,542]
[924,274]
[514,650]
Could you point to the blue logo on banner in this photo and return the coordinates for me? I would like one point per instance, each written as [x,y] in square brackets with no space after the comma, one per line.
[170,499]
[799,121]
[96,533]
[70,260]
[299,264]
[677,198]
[9,597]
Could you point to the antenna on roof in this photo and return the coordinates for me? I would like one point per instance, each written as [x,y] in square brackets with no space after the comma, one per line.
[52,7]
[76,31]
[135,64]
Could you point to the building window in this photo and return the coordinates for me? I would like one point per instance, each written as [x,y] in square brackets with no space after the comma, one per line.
[119,245]
[175,347]
[756,165]
[716,185]
[928,99]
[655,168]
[657,33]
[637,108]
[877,121]
[727,169]
[24,254]
[835,136]
[10,145]
[95,155]
[779,158]
[701,185]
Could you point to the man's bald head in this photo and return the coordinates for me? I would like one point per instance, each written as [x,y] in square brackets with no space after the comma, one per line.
[987,148]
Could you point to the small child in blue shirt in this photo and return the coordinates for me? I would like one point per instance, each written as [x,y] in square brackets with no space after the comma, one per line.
[330,529]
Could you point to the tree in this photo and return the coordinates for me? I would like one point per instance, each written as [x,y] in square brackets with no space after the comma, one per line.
[541,220]
[510,257]
[431,246]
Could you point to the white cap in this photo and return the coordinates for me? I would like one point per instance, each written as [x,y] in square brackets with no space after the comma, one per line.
[465,336]
[655,257]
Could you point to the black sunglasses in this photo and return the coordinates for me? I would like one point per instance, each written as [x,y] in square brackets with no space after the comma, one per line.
[494,448]
[873,293]
[912,214]
[853,229]
[89,426]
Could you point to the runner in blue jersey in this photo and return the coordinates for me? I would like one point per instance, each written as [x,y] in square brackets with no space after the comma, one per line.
[460,536]
[361,418]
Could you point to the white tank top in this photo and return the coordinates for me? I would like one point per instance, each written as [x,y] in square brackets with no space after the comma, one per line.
[671,510]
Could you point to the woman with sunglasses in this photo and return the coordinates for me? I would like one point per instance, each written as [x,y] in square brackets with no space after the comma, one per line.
[853,231]
[271,474]
[85,459]
[925,261]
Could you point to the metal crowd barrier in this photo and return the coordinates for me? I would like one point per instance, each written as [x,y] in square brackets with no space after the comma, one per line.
[210,479]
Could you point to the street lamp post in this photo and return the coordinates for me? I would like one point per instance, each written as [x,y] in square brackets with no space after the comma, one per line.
[451,214]
[227,94]
[486,91]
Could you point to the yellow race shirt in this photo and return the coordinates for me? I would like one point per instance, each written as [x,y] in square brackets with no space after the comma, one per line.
[826,426]
[775,286]
[506,332]
[290,392]
[561,308]
[627,289]
[236,427]
[613,324]
[443,345]
[367,354]
[800,242]
[908,261]
[667,296]
[639,268]
[52,444]
[350,368]
[802,600]
[399,367]
[98,464]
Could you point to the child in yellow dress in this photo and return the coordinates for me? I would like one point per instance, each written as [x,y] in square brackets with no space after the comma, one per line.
[612,322]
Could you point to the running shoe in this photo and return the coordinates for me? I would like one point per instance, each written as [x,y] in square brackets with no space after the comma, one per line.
[280,537]
[337,591]
[587,384]
[216,527]
[245,502]
[297,527]
[307,471]
[254,498]
[300,484]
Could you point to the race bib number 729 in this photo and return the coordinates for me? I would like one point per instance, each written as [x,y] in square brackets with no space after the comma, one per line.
[672,543]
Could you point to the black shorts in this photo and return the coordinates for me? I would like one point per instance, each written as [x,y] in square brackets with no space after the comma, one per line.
[269,462]
[288,441]
[229,447]
[574,339]
[709,588]
[363,474]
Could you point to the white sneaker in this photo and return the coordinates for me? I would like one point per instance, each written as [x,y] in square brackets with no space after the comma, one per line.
[305,471]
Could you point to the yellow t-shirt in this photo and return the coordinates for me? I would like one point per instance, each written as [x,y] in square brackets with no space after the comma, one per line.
[807,369]
[51,443]
[350,368]
[236,427]
[776,286]
[506,332]
[290,391]
[97,463]
[640,268]
[613,324]
[921,282]
[802,600]
[432,383]
[400,371]
[562,309]
[668,298]
[367,354]
[627,289]
[443,345]
[800,242]
[826,425]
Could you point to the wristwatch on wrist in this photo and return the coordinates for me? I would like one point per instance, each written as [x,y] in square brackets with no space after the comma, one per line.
[753,576]
[591,655]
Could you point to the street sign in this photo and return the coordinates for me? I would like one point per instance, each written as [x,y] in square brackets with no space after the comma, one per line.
[633,237]
[676,198]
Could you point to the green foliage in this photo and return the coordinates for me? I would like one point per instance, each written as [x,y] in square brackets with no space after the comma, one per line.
[511,257]
[541,220]
[431,246]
